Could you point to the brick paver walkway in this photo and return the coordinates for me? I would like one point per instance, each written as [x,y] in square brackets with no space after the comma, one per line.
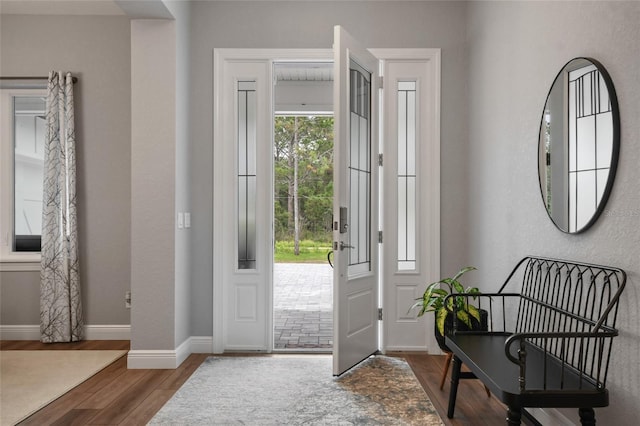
[303,306]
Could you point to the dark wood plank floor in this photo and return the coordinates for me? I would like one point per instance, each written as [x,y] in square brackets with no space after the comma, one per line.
[473,406]
[117,396]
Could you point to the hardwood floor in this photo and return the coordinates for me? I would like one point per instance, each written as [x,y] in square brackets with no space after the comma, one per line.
[473,406]
[118,396]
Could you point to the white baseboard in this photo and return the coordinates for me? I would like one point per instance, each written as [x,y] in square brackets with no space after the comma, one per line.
[201,344]
[168,359]
[91,332]
[107,332]
[19,332]
[183,351]
[152,359]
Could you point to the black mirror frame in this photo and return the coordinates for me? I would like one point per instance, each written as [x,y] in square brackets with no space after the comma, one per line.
[615,115]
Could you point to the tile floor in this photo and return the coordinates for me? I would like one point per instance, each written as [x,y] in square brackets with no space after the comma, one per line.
[303,307]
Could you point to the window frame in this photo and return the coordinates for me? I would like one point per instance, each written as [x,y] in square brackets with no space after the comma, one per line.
[11,260]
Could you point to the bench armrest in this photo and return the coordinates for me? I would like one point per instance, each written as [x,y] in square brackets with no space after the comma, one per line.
[560,348]
[545,337]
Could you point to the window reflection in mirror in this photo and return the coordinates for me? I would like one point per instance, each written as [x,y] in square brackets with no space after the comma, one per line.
[578,146]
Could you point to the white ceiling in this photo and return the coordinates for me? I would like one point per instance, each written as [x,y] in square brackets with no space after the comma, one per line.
[301,71]
[60,7]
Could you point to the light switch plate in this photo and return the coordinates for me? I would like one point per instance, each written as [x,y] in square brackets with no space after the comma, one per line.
[180,220]
[187,220]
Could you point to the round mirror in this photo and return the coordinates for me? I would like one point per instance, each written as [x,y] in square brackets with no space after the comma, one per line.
[579,142]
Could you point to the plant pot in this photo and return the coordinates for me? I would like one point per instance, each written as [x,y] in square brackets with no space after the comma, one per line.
[482,325]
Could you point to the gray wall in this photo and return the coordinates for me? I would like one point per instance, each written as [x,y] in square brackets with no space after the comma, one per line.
[97,51]
[515,51]
[266,24]
[181,11]
[161,270]
[153,159]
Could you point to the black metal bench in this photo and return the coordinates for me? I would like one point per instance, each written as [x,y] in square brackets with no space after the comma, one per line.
[551,329]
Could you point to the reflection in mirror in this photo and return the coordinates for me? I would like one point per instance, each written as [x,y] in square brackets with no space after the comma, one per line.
[579,144]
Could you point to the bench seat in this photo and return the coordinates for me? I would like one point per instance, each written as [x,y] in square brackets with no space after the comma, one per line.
[484,355]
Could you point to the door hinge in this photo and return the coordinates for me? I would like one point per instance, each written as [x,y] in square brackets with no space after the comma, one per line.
[379,314]
[380,160]
[380,82]
[380,236]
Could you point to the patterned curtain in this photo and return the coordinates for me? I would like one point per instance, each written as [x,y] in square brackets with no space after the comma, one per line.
[60,304]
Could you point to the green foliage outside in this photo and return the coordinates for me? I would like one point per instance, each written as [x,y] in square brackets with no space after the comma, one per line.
[310,252]
[305,143]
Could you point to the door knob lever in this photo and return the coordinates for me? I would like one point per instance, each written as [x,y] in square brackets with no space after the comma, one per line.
[344,246]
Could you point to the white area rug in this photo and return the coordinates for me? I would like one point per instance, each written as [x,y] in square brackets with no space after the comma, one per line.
[29,380]
[297,390]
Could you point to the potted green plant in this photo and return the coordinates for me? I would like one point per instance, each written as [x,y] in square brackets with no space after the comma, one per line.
[433,300]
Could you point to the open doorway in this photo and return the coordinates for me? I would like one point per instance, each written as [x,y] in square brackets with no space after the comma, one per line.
[243,201]
[303,200]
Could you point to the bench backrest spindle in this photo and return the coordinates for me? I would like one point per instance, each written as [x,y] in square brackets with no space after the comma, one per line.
[559,296]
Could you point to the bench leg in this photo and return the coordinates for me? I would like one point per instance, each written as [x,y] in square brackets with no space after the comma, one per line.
[445,370]
[587,416]
[455,379]
[514,416]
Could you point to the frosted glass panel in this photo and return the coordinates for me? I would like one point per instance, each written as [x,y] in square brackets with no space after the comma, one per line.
[247,175]
[359,170]
[353,215]
[407,266]
[402,133]
[411,132]
[406,178]
[411,217]
[354,157]
[363,218]
[363,161]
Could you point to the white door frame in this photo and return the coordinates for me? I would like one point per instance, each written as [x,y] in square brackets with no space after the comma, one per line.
[393,292]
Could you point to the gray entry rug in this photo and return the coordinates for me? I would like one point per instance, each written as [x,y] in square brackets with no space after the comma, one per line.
[299,390]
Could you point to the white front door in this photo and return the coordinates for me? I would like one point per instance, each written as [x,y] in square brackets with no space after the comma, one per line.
[355,203]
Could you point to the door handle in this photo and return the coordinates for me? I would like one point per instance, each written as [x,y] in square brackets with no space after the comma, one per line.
[344,246]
